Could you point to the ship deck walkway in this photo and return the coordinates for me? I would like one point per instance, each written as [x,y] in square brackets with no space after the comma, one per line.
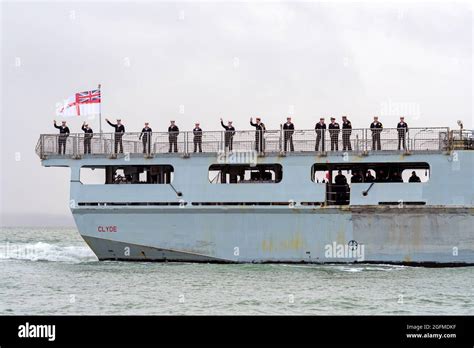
[436,139]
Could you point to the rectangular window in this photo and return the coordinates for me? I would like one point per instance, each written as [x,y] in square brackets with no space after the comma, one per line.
[157,174]
[370,172]
[245,173]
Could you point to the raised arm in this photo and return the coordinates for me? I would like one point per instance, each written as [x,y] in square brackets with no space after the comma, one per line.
[223,125]
[110,123]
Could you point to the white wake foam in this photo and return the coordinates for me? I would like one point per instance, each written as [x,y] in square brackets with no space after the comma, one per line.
[45,252]
[385,268]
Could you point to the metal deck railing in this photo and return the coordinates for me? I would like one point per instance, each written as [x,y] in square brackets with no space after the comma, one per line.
[272,141]
[463,139]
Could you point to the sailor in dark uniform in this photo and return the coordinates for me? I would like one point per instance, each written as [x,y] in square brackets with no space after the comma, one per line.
[288,130]
[62,138]
[381,176]
[402,129]
[173,132]
[119,131]
[334,130]
[396,177]
[369,177]
[259,130]
[414,177]
[88,134]
[320,130]
[376,128]
[346,134]
[356,177]
[340,178]
[197,140]
[229,134]
[340,188]
[145,136]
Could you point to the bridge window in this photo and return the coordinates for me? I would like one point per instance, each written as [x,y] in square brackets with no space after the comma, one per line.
[245,173]
[157,174]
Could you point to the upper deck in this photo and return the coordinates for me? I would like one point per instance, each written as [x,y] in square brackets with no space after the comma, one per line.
[273,177]
[418,140]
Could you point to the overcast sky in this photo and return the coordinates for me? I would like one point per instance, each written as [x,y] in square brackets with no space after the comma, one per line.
[235,60]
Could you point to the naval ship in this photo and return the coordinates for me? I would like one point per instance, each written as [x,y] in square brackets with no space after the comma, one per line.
[233,204]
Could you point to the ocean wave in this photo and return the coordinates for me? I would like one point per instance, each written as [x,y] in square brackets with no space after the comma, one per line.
[45,252]
[346,268]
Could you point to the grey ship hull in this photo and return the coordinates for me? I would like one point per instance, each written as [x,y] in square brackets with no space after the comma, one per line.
[414,236]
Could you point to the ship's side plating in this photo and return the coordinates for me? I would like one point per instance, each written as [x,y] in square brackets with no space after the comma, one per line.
[240,222]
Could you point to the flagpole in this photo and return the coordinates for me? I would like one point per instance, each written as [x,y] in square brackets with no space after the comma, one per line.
[100,112]
[102,144]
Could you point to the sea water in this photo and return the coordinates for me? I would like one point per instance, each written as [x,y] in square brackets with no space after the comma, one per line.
[48,271]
